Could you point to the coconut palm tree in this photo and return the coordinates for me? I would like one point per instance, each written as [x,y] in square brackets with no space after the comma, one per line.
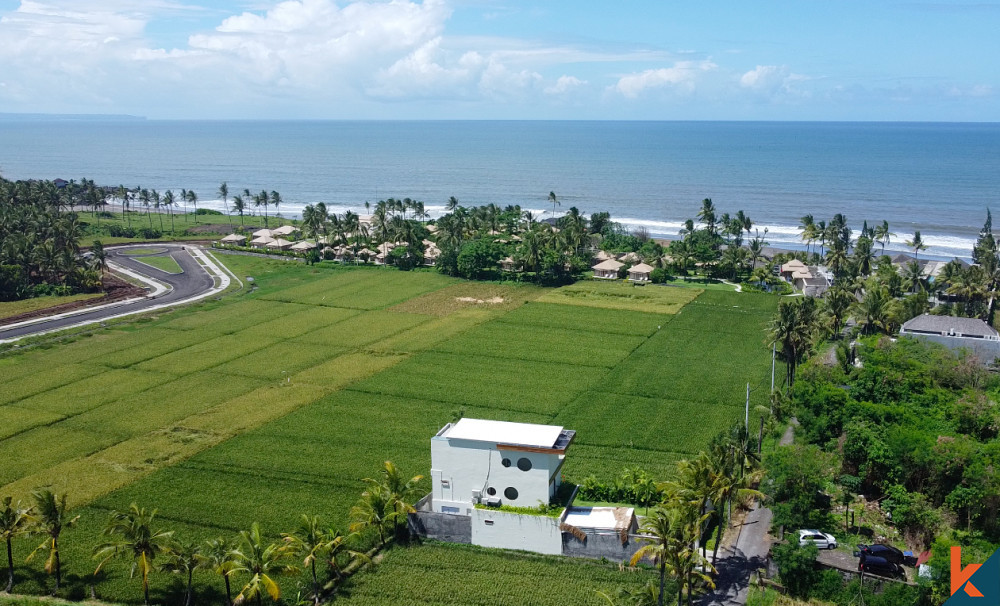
[15,521]
[240,206]
[131,535]
[145,199]
[262,561]
[224,194]
[275,202]
[794,330]
[193,199]
[52,518]
[157,204]
[707,215]
[169,201]
[917,244]
[310,542]
[876,310]
[218,556]
[671,533]
[883,235]
[452,204]
[183,558]
[554,201]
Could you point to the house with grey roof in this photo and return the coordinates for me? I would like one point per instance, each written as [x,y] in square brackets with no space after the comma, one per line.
[956,333]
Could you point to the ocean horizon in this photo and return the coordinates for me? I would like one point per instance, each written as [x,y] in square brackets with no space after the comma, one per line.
[938,178]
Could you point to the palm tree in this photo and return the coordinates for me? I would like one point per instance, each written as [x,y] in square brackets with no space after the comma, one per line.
[310,542]
[260,560]
[169,202]
[240,206]
[883,235]
[193,199]
[144,198]
[794,329]
[14,522]
[218,556]
[132,536]
[917,244]
[875,311]
[157,203]
[224,194]
[554,201]
[452,204]
[275,201]
[837,304]
[52,518]
[913,277]
[671,532]
[183,558]
[707,215]
[100,256]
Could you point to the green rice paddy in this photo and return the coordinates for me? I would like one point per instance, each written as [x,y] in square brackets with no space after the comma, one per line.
[277,401]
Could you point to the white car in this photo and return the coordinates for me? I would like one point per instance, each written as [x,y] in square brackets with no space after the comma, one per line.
[821,540]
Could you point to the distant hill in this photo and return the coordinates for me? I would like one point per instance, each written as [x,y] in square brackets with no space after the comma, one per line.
[4,117]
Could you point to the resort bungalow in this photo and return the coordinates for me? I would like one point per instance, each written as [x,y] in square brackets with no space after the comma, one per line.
[630,257]
[234,239]
[508,264]
[278,244]
[302,246]
[790,268]
[955,333]
[640,273]
[602,256]
[607,270]
[284,230]
[263,233]
[261,241]
[431,254]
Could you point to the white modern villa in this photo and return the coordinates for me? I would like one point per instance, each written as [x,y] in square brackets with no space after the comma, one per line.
[479,466]
[476,461]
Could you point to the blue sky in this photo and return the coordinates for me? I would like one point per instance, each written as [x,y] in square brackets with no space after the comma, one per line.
[500,59]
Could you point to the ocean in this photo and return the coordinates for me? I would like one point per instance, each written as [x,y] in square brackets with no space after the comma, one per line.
[938,178]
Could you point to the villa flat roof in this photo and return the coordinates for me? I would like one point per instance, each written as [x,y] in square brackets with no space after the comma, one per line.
[504,432]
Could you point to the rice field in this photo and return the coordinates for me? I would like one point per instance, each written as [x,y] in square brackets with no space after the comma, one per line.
[277,402]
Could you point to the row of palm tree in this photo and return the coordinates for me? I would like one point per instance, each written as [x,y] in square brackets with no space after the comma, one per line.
[134,536]
[704,488]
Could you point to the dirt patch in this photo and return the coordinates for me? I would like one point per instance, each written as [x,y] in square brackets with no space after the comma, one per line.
[491,300]
[114,290]
[466,295]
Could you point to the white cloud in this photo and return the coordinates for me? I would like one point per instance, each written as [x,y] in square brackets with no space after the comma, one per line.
[771,80]
[564,84]
[682,75]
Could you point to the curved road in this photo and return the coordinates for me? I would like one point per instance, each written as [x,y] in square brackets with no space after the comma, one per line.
[194,281]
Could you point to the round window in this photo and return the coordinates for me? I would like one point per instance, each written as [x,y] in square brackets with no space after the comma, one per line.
[524,464]
[491,491]
[511,493]
[505,462]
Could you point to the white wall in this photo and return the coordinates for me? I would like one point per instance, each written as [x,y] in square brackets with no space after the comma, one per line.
[500,529]
[460,466]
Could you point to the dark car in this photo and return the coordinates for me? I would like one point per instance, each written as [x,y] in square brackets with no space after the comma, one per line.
[884,551]
[879,566]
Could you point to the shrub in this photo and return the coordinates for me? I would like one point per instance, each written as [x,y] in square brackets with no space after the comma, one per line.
[797,567]
[207,211]
[13,283]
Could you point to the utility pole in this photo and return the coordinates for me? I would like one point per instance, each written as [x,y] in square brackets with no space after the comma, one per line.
[748,410]
[773,352]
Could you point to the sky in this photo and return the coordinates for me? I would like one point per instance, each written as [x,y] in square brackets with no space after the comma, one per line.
[503,59]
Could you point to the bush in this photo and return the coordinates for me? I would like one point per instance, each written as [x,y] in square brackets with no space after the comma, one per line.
[150,234]
[207,211]
[634,486]
[797,567]
[120,231]
[13,283]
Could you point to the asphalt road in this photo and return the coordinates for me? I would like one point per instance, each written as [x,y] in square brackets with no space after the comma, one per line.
[194,280]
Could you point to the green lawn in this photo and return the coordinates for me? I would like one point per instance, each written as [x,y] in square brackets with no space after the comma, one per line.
[162,262]
[277,401]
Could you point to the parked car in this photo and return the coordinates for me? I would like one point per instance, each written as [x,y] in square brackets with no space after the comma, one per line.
[888,552]
[821,540]
[880,566]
